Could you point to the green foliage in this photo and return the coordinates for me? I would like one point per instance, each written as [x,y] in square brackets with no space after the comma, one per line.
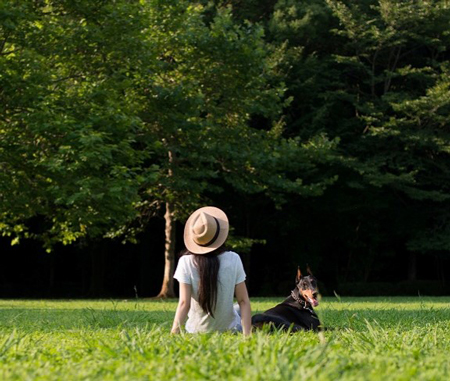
[374,74]
[398,52]
[110,109]
[104,119]
[373,339]
[67,127]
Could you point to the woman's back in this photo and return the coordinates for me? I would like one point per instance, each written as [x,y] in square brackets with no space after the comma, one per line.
[231,273]
[209,277]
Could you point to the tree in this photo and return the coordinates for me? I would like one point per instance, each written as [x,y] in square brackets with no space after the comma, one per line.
[104,119]
[373,75]
[67,128]
[399,52]
[199,108]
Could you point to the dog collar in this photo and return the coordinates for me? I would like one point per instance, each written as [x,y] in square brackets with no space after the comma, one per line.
[300,301]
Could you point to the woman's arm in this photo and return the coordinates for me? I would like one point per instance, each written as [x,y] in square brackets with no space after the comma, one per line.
[184,304]
[246,311]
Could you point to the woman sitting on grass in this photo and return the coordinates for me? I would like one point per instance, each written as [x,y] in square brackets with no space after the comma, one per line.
[209,277]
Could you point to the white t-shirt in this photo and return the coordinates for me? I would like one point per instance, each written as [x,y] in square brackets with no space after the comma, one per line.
[231,273]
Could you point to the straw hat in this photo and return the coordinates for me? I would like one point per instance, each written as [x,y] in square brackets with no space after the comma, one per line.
[206,230]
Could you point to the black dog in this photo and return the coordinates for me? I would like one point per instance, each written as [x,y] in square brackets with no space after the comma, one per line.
[296,312]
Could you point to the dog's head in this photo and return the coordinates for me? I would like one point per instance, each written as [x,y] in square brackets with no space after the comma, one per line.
[307,287]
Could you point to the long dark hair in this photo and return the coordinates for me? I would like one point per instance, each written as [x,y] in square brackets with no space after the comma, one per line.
[208,270]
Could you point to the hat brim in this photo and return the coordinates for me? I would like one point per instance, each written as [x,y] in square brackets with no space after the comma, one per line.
[221,238]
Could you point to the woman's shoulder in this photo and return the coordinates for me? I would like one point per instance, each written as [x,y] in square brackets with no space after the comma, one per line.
[231,255]
[185,260]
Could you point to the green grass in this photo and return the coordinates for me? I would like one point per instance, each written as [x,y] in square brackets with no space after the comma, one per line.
[372,339]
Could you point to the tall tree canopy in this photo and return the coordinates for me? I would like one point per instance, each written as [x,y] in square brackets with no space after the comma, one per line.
[375,75]
[112,112]
[372,75]
[113,109]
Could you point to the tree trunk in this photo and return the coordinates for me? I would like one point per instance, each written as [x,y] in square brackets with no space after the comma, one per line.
[412,267]
[167,290]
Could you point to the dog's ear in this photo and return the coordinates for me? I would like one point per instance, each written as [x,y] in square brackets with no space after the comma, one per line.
[308,270]
[299,275]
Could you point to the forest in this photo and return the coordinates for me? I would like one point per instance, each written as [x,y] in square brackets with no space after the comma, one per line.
[321,127]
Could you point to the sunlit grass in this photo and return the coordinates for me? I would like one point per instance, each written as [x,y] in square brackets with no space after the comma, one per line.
[370,339]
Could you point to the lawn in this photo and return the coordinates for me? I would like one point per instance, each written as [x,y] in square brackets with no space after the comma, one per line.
[371,339]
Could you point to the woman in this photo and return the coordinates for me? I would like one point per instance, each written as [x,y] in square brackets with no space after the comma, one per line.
[209,277]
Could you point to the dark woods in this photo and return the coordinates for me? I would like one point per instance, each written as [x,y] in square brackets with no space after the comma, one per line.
[321,127]
[111,269]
